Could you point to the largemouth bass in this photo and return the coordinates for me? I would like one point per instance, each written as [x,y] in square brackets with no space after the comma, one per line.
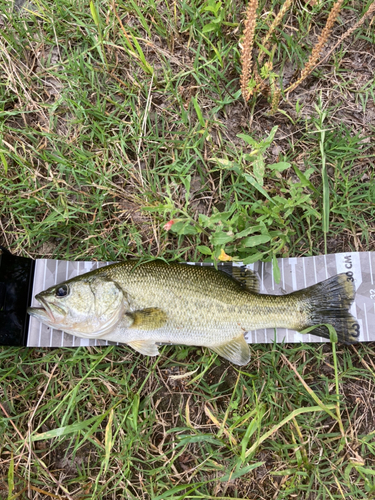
[146,304]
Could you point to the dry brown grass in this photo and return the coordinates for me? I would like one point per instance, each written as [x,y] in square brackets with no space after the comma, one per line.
[246,56]
[317,49]
[252,82]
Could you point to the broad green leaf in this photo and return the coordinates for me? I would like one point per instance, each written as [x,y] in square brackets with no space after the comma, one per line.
[271,135]
[250,179]
[189,229]
[221,216]
[248,139]
[183,228]
[223,162]
[221,238]
[213,7]
[253,258]
[248,230]
[204,220]
[209,27]
[256,240]
[280,166]
[204,250]
[258,169]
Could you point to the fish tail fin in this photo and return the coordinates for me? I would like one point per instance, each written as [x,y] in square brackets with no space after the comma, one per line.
[329,302]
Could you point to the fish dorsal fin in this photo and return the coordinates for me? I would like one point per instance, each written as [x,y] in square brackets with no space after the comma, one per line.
[147,347]
[236,350]
[246,277]
[147,319]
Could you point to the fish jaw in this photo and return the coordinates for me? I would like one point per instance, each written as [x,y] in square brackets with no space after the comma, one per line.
[40,314]
[49,314]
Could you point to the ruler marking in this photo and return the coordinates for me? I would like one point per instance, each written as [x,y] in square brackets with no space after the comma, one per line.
[325,266]
[370,265]
[292,261]
[315,275]
[366,321]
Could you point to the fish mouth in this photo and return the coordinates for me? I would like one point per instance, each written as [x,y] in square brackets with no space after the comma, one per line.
[45,312]
[41,314]
[46,308]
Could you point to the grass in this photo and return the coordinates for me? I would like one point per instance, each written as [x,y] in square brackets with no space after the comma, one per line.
[118,118]
[107,422]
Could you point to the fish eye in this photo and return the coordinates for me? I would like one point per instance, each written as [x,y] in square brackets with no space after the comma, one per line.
[62,291]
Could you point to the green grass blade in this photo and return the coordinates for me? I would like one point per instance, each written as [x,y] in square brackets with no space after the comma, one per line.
[293,414]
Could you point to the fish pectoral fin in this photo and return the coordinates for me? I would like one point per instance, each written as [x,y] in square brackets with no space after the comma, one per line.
[147,347]
[236,350]
[147,319]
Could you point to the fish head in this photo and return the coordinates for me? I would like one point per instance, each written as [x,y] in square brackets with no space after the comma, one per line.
[89,306]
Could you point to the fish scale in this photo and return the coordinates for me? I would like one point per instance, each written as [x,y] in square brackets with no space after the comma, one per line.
[145,304]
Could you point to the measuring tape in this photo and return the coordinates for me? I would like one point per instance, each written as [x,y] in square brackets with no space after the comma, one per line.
[21,279]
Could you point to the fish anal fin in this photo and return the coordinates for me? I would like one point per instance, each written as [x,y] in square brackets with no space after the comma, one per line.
[236,350]
[147,347]
[150,318]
